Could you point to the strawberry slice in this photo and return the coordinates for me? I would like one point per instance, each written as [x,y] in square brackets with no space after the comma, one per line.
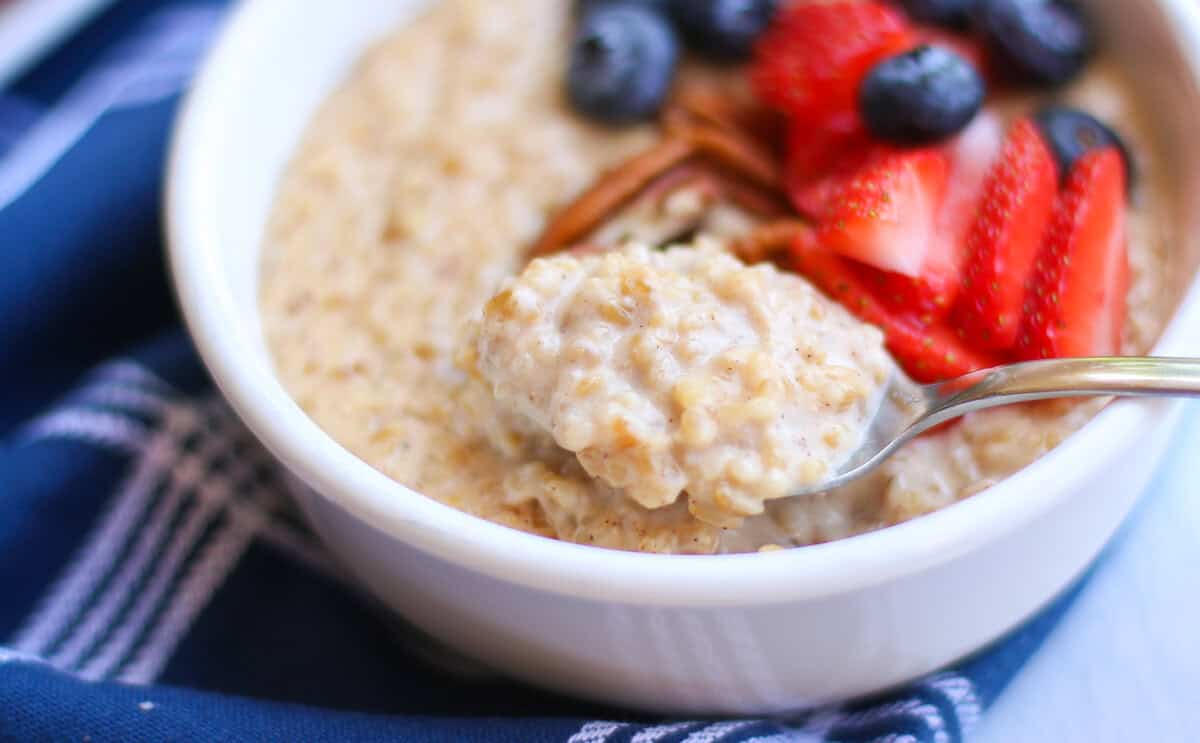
[811,60]
[928,297]
[1076,306]
[931,295]
[1018,200]
[932,353]
[927,352]
[823,161]
[886,215]
[821,158]
[972,155]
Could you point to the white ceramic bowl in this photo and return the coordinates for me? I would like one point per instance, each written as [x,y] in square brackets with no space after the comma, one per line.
[732,634]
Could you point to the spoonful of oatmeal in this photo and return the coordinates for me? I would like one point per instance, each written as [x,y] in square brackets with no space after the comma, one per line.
[685,371]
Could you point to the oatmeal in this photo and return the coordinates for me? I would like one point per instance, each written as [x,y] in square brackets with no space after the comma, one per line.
[416,192]
[683,370]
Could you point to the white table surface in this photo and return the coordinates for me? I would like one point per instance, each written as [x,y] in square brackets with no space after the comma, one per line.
[1124,664]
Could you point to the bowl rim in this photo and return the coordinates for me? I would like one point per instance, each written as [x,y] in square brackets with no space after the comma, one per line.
[839,567]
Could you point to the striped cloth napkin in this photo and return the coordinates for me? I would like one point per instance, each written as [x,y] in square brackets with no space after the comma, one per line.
[157,584]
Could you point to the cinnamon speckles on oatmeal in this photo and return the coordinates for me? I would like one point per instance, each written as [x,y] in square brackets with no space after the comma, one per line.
[682,371]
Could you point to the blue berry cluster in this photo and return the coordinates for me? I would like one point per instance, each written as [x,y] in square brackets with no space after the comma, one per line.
[625,52]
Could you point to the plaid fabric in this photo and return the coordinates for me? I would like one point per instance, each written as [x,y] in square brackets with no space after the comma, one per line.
[157,583]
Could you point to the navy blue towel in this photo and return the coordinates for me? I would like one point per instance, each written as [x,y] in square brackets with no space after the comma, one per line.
[156,583]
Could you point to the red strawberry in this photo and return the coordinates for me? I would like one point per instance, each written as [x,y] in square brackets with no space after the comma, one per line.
[926,352]
[932,353]
[927,298]
[1076,306]
[972,154]
[886,215]
[820,159]
[1018,199]
[932,294]
[809,64]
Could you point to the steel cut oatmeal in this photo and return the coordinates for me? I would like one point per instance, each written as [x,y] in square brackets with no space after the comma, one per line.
[644,400]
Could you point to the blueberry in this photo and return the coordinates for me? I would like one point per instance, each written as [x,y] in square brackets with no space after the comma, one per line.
[1072,133]
[623,59]
[954,14]
[582,7]
[1040,41]
[921,96]
[722,30]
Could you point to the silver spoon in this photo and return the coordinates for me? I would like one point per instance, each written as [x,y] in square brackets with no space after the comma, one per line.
[908,409]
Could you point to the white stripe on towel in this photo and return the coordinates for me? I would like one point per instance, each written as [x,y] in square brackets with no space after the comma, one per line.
[597,731]
[97,556]
[155,64]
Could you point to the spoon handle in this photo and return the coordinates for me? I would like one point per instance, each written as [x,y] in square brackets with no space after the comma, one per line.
[1124,376]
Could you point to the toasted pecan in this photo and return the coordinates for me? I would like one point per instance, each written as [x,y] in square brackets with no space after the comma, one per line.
[708,104]
[731,148]
[769,240]
[710,141]
[613,190]
[753,198]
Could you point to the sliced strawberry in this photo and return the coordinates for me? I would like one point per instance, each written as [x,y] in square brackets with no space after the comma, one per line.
[809,64]
[811,197]
[972,154]
[927,352]
[837,158]
[820,158]
[933,293]
[927,298]
[1018,200]
[886,215]
[932,353]
[815,149]
[837,277]
[1077,303]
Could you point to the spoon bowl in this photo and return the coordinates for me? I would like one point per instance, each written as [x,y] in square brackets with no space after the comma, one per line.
[907,409]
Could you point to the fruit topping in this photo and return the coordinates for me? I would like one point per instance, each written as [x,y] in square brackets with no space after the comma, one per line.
[954,14]
[822,158]
[1039,41]
[1076,306]
[927,298]
[931,295]
[1014,211]
[811,61]
[928,352]
[921,96]
[869,166]
[932,352]
[1072,134]
[819,160]
[972,155]
[623,60]
[722,30]
[967,47]
[886,215]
